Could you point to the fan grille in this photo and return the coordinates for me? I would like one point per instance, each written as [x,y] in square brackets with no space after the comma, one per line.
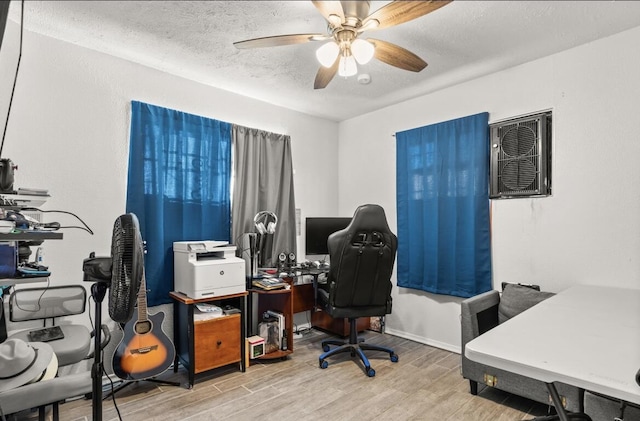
[518,141]
[127,254]
[518,174]
[520,156]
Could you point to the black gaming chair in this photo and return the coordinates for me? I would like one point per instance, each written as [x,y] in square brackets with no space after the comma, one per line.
[358,285]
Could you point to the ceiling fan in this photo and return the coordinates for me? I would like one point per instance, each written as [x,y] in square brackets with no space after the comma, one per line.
[347,21]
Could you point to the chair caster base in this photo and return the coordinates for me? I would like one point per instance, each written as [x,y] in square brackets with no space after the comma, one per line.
[355,347]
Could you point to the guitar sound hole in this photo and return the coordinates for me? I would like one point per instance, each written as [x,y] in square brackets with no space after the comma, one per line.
[143,327]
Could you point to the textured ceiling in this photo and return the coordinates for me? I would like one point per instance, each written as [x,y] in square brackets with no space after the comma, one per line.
[461,41]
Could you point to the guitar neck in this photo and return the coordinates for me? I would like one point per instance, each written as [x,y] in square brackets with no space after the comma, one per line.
[142,301]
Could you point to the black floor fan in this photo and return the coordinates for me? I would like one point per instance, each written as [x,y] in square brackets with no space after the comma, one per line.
[121,274]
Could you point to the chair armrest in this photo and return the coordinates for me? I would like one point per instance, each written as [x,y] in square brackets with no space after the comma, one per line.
[106,336]
[479,314]
[104,340]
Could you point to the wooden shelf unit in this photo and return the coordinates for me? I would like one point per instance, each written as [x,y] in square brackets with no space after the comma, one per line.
[279,300]
[203,345]
[30,235]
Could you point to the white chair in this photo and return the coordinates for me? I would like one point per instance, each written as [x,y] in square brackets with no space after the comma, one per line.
[45,305]
[38,308]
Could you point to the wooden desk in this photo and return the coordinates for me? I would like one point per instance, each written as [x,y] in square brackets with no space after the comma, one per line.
[585,336]
[203,345]
[304,300]
[303,297]
[298,298]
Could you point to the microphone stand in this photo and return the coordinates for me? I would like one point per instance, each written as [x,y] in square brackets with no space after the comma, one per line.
[98,291]
[98,271]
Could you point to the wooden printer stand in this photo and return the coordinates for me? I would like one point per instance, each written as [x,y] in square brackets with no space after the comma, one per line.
[203,345]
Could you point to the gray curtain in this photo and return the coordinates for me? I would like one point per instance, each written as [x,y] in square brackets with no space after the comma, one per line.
[263,182]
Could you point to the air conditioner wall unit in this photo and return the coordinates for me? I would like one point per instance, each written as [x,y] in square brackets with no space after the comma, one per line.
[521,157]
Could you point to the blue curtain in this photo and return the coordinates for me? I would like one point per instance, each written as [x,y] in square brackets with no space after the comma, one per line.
[444,243]
[178,186]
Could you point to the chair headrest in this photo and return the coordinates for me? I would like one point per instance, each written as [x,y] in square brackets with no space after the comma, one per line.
[368,218]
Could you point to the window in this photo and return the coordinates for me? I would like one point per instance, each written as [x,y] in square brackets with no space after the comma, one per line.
[178,186]
[442,173]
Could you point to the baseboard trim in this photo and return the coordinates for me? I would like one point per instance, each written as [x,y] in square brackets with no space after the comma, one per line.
[437,344]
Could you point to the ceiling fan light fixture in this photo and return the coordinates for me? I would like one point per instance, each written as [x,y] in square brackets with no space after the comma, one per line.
[370,24]
[327,54]
[347,67]
[345,23]
[334,20]
[362,50]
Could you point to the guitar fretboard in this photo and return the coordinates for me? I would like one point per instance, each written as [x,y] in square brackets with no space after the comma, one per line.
[142,301]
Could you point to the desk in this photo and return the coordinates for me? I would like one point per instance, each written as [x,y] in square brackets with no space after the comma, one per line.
[303,298]
[297,298]
[585,336]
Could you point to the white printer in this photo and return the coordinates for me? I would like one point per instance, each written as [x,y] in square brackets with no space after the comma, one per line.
[207,268]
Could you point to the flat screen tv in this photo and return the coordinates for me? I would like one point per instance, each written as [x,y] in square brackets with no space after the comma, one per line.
[318,231]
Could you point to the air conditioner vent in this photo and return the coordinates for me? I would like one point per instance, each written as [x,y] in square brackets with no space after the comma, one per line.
[521,157]
[518,140]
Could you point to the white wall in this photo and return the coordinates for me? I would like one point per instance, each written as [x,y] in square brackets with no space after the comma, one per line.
[69,131]
[587,232]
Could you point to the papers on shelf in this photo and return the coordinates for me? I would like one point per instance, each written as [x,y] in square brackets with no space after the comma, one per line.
[208,308]
[23,200]
[269,283]
[204,311]
[33,192]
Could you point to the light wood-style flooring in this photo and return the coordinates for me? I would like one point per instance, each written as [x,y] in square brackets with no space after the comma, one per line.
[425,384]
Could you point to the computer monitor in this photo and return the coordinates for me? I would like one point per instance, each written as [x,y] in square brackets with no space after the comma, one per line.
[319,229]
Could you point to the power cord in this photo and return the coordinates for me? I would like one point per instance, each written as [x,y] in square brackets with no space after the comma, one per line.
[15,79]
[54,226]
[113,393]
[305,330]
[104,372]
[46,288]
[242,250]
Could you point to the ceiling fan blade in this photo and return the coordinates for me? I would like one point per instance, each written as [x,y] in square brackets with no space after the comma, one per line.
[397,56]
[398,12]
[278,40]
[325,75]
[329,8]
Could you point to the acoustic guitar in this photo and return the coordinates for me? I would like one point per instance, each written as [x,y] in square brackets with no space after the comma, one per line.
[145,351]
